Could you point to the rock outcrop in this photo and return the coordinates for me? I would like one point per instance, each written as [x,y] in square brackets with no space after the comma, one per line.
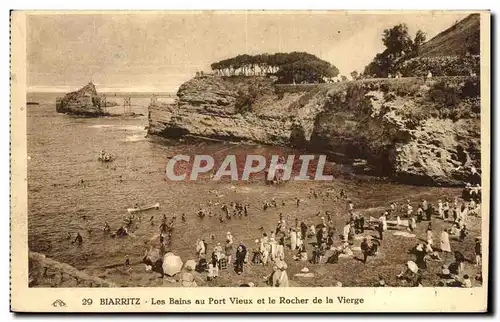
[46,272]
[416,131]
[84,102]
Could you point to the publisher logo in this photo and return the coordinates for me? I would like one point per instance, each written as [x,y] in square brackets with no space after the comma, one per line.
[58,303]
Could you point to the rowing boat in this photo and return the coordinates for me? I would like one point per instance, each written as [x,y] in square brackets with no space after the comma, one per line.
[133,210]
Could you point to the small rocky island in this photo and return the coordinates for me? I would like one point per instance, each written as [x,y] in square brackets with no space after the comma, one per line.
[83,102]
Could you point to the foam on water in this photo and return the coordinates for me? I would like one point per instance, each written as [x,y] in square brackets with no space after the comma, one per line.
[135,138]
[134,128]
[101,126]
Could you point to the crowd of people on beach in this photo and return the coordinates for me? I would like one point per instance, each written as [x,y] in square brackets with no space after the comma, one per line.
[321,242]
[328,245]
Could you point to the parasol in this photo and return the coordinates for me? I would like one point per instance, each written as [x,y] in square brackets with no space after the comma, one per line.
[172,264]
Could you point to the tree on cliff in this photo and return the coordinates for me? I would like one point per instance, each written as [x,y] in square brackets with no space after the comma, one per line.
[399,48]
[294,67]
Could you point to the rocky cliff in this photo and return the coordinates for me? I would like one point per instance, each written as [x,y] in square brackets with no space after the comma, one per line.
[417,131]
[84,102]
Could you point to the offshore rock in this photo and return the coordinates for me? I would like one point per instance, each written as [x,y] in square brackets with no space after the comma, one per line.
[84,102]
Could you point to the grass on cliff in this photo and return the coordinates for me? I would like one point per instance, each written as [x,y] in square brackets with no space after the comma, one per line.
[415,98]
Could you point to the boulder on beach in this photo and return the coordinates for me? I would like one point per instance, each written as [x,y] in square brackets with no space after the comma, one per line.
[83,102]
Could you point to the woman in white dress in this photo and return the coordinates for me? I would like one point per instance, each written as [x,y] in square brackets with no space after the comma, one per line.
[282,276]
[440,209]
[383,220]
[445,242]
[264,251]
[293,239]
[312,231]
[300,240]
[409,209]
[446,209]
[280,248]
[200,248]
[273,244]
[345,231]
[430,237]
[229,237]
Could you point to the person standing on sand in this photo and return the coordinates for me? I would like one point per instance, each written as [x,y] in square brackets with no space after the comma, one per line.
[428,211]
[282,276]
[463,233]
[478,251]
[420,256]
[302,253]
[345,231]
[460,260]
[361,224]
[412,224]
[273,244]
[365,248]
[350,205]
[228,251]
[430,237]
[300,240]
[241,254]
[280,248]
[328,217]
[303,229]
[380,229]
[409,209]
[384,220]
[420,214]
[200,248]
[446,209]
[445,242]
[293,239]
[264,250]
[440,209]
[393,207]
[271,279]
[320,236]
[425,207]
[229,237]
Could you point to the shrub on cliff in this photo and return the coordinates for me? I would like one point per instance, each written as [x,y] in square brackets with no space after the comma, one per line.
[246,99]
[456,99]
[444,94]
[441,66]
[471,88]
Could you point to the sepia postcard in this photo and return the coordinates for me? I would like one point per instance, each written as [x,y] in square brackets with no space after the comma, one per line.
[326,161]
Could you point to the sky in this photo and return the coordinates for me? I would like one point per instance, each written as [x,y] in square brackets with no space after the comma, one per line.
[158,51]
